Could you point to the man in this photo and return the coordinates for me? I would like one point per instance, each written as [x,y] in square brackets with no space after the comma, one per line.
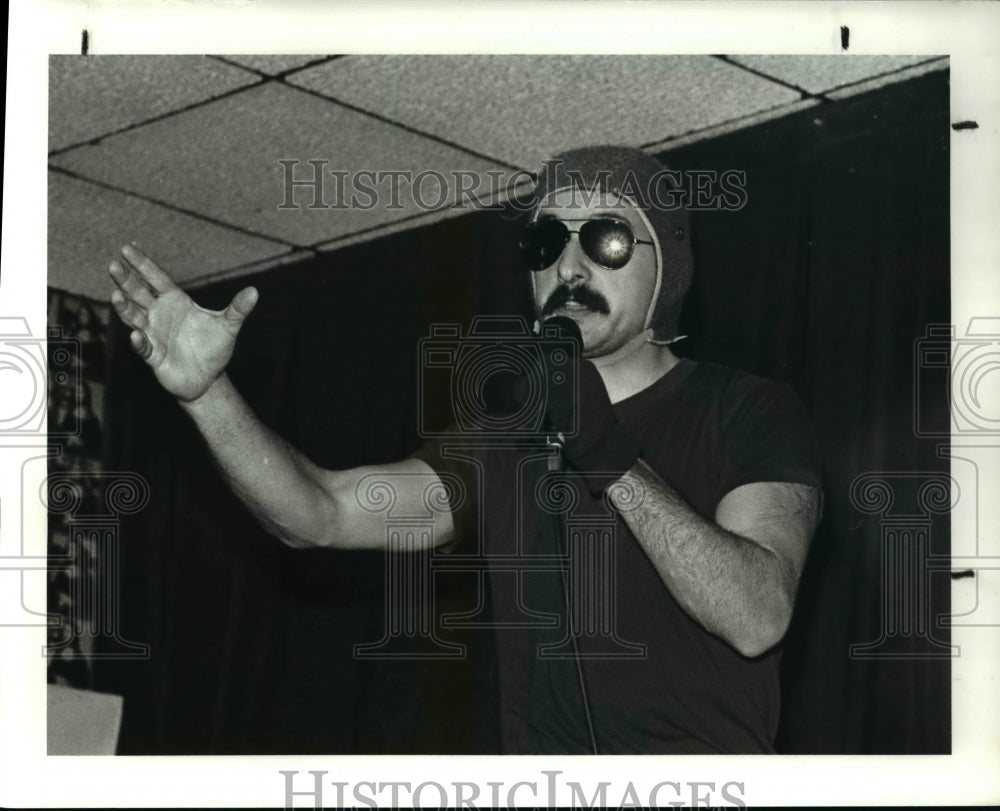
[708,475]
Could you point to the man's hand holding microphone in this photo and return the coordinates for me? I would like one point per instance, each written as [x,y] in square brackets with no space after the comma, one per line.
[600,447]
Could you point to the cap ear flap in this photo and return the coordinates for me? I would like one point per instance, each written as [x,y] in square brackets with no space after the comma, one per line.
[654,301]
[666,316]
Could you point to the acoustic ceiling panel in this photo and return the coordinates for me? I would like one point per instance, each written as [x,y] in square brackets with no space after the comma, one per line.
[89,224]
[223,160]
[90,96]
[205,138]
[521,109]
[273,64]
[818,74]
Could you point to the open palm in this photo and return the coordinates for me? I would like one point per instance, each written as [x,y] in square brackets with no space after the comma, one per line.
[186,346]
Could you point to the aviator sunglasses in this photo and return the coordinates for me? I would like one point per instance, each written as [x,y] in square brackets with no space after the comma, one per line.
[608,242]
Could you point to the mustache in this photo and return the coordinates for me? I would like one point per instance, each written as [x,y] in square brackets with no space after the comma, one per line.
[590,299]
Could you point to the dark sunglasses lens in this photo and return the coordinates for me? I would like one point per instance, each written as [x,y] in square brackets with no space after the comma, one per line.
[607,242]
[543,243]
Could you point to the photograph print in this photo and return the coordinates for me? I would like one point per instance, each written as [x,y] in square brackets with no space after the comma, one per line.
[502,404]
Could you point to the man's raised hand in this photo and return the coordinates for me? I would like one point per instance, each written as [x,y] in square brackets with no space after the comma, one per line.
[186,346]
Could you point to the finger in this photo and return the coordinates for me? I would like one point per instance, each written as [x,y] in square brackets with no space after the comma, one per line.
[141,344]
[131,283]
[150,271]
[241,305]
[128,311]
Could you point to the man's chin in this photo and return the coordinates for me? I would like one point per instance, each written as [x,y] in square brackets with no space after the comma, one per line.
[584,318]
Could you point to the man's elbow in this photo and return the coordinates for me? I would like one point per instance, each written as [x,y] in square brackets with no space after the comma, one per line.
[759,642]
[766,631]
[298,536]
[318,523]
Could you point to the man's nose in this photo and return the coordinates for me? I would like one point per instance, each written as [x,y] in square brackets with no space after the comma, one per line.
[572,265]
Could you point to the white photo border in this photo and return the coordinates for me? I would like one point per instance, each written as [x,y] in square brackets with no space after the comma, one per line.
[965,31]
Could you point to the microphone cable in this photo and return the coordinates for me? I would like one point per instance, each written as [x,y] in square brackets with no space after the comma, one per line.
[563,543]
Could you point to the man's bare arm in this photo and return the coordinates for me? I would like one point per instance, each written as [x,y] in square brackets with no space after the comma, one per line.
[294,499]
[188,348]
[736,576]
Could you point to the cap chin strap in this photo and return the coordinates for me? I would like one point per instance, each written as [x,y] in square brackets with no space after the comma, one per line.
[625,351]
[664,341]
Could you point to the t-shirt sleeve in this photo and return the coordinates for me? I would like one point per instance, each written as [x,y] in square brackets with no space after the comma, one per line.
[450,459]
[768,437]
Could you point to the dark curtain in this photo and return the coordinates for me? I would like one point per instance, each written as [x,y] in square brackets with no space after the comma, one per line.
[825,278]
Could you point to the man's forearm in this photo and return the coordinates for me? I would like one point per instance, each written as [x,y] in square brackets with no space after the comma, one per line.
[735,588]
[275,481]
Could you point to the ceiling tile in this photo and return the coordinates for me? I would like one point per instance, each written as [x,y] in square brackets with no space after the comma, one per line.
[87,226]
[818,74]
[222,160]
[272,64]
[248,269]
[93,95]
[522,109]
[734,125]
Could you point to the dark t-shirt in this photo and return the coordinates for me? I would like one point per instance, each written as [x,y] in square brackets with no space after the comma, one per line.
[654,680]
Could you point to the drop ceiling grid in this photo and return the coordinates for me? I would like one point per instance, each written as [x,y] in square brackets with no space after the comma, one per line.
[521,109]
[198,158]
[223,159]
[273,64]
[88,224]
[823,73]
[92,96]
